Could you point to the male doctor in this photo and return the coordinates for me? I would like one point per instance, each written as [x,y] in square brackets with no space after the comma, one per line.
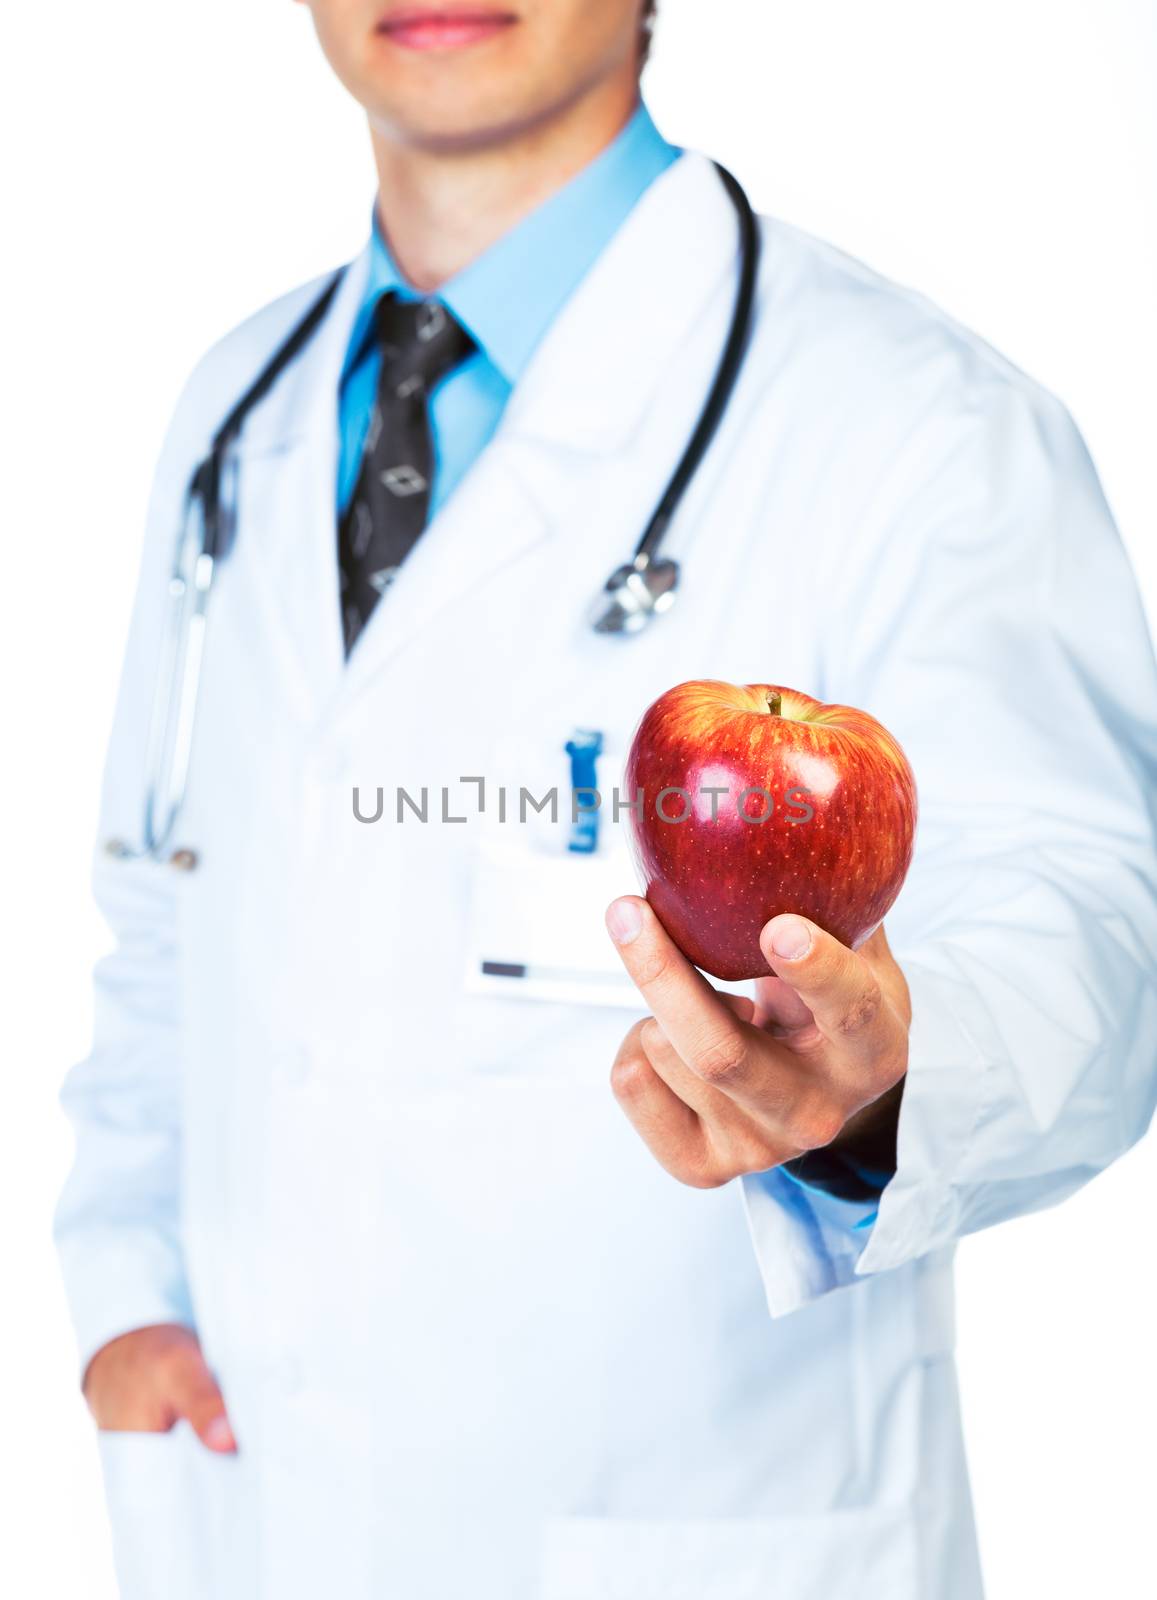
[378,1292]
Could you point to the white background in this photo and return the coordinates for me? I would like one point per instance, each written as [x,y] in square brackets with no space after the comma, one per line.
[173,166]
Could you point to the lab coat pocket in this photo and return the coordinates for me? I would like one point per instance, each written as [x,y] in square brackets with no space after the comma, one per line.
[168,1500]
[544,875]
[870,1552]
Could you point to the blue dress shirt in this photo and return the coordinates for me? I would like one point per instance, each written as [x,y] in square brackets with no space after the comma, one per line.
[506,298]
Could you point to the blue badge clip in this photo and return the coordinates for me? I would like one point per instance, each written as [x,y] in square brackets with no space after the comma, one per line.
[584,748]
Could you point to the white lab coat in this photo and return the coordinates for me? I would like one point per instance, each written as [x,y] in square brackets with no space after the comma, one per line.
[474,1341]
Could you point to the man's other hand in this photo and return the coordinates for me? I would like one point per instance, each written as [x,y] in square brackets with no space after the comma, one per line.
[148,1380]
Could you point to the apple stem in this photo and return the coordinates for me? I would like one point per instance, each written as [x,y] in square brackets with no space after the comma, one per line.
[774,701]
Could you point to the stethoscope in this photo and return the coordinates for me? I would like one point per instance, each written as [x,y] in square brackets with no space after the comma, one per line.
[635,593]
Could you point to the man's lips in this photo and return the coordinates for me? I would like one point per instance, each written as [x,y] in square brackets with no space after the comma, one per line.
[449,29]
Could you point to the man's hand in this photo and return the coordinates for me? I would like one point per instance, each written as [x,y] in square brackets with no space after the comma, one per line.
[718,1085]
[149,1379]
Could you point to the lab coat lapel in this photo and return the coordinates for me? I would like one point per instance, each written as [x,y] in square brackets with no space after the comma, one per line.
[575,408]
[619,337]
[490,520]
[287,474]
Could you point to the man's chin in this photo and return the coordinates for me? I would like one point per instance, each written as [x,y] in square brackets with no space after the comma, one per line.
[454,128]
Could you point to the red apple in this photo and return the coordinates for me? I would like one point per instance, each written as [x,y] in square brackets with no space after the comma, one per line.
[786,805]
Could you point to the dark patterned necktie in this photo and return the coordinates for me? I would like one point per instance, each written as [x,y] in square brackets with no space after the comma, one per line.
[420,342]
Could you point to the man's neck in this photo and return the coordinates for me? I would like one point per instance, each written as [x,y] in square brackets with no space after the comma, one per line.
[441,209]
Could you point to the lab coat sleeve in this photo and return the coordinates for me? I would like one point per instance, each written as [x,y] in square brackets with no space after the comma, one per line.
[990,619]
[117,1221]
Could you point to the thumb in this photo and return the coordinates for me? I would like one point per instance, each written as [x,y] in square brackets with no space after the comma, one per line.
[196,1397]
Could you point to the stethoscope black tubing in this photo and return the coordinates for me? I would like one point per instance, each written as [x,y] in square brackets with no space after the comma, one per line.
[205,485]
[726,373]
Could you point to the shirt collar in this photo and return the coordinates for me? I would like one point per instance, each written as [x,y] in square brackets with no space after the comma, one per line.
[508,297]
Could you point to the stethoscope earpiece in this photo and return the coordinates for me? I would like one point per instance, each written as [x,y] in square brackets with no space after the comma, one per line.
[633,594]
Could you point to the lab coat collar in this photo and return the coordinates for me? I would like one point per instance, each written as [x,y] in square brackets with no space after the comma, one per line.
[303,404]
[586,389]
[675,248]
[581,389]
[509,296]
[592,377]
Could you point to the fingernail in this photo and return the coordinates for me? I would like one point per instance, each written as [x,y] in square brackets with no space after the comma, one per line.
[791,938]
[219,1435]
[624,920]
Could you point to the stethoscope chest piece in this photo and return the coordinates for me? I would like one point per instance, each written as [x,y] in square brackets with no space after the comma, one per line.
[633,594]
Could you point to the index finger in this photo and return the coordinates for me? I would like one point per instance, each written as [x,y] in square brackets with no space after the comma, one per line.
[701,1027]
[196,1397]
[836,984]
